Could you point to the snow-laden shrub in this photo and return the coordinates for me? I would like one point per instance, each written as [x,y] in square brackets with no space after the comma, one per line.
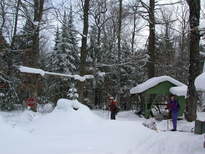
[45,108]
[72,93]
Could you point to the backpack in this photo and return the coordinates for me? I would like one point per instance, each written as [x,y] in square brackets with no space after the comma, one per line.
[117,109]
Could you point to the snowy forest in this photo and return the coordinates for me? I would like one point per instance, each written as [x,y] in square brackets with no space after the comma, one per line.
[62,61]
[120,43]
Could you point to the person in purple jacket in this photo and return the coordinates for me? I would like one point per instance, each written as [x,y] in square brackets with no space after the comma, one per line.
[173,107]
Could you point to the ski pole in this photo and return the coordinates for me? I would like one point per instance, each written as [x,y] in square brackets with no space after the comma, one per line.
[167,124]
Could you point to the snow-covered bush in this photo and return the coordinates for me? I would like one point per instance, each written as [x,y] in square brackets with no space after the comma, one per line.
[8,95]
[44,105]
[45,108]
[72,93]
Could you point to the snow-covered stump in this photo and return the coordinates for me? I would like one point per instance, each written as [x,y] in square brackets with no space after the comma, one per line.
[199,127]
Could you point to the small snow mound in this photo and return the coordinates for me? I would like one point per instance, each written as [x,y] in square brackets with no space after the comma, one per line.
[70,105]
[69,115]
[74,110]
[20,118]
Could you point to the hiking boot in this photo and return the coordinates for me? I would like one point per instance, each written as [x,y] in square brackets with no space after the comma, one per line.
[173,129]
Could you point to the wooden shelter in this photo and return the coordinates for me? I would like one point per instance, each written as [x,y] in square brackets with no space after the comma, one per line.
[158,87]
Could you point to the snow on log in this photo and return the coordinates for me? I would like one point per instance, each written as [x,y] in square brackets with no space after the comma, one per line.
[24,69]
[31,70]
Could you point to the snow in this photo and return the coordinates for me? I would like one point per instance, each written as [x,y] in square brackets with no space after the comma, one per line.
[83,78]
[200,82]
[82,131]
[101,74]
[2,94]
[36,23]
[31,70]
[201,116]
[202,54]
[179,90]
[25,69]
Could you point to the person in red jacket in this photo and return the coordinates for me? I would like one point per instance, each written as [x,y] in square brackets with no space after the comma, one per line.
[113,108]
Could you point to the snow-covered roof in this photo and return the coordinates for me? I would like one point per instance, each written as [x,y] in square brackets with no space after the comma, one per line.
[179,90]
[25,69]
[200,82]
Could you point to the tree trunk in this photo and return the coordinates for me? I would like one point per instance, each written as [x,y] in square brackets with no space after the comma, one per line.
[119,31]
[15,24]
[151,39]
[34,56]
[134,32]
[119,48]
[194,17]
[83,49]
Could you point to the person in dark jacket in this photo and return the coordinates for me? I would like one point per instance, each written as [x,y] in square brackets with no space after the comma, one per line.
[173,107]
[113,108]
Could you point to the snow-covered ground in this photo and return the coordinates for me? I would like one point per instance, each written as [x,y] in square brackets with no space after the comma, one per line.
[68,131]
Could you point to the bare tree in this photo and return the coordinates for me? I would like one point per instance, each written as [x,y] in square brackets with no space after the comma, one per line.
[165,53]
[149,15]
[98,12]
[3,14]
[135,19]
[15,23]
[182,41]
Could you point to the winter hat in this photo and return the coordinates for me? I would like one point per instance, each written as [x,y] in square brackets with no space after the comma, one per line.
[111,98]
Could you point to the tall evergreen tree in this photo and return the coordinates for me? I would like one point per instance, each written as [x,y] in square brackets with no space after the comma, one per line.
[74,58]
[65,56]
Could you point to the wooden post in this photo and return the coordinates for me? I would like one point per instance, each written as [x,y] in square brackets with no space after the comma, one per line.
[199,127]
